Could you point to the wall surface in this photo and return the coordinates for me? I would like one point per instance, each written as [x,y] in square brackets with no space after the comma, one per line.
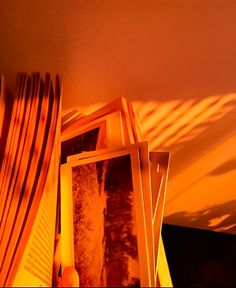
[167,52]
[109,48]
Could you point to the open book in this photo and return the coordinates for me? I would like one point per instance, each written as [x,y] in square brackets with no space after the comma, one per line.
[112,200]
[29,161]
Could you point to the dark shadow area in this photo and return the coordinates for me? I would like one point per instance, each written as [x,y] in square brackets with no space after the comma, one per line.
[223,214]
[200,258]
[6,123]
[226,167]
[81,143]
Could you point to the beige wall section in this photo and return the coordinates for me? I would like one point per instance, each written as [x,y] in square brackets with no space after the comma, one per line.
[160,49]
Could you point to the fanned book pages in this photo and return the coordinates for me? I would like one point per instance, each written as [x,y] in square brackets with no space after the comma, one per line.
[111,200]
[29,180]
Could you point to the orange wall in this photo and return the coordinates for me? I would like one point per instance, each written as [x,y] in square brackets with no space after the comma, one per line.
[108,48]
[170,51]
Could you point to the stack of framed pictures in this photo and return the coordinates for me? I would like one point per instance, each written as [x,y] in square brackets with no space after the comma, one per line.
[112,201]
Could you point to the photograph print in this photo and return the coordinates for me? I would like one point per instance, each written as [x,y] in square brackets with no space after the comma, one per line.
[104,223]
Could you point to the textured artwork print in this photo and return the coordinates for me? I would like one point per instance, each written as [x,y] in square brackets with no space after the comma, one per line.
[105,237]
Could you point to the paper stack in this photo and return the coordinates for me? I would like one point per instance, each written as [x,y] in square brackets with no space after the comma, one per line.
[29,157]
[112,200]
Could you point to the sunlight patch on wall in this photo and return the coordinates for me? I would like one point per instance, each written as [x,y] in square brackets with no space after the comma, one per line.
[170,124]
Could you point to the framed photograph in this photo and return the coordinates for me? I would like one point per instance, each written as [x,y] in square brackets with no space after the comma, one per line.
[119,105]
[146,187]
[99,134]
[103,229]
[148,205]
[159,162]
